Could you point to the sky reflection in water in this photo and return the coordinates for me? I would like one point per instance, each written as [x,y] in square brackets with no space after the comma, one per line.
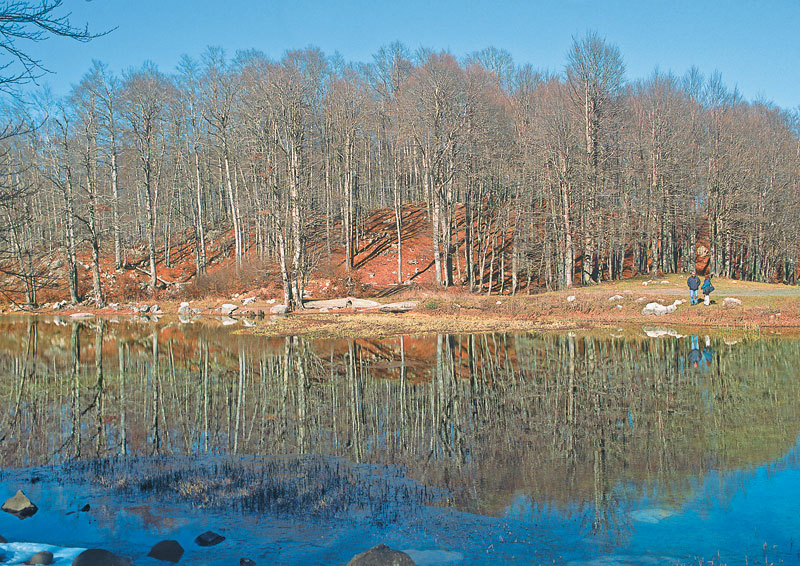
[539,448]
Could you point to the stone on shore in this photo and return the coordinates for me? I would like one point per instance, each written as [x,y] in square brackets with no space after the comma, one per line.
[167,551]
[381,555]
[20,506]
[209,538]
[729,302]
[100,557]
[184,309]
[659,309]
[227,309]
[279,309]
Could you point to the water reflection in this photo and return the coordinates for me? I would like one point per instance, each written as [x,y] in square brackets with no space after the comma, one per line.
[578,426]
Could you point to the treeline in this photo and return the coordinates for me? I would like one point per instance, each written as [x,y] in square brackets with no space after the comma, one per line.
[531,179]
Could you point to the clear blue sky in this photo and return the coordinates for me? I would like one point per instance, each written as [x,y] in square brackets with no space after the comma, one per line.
[755,45]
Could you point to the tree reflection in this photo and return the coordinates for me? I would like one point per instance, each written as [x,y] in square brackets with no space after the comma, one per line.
[572,422]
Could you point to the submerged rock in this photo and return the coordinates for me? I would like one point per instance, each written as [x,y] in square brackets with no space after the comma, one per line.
[3,539]
[209,538]
[100,557]
[167,550]
[20,506]
[381,555]
[246,562]
[43,557]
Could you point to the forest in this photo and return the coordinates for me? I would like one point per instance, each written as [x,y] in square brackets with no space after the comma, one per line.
[529,179]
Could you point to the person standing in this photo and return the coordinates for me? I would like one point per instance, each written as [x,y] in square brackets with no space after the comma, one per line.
[707,288]
[694,284]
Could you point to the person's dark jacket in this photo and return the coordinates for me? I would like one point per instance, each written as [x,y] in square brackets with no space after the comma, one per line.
[693,282]
[707,287]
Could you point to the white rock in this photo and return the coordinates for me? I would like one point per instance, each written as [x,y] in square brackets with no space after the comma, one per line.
[227,309]
[665,282]
[619,307]
[499,303]
[570,298]
[615,298]
[184,309]
[271,301]
[279,309]
[731,302]
[249,301]
[658,309]
[228,321]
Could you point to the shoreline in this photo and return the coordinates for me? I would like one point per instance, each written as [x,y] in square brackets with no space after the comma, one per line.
[758,307]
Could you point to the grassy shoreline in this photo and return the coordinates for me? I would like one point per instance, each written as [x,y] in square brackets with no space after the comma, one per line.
[763,306]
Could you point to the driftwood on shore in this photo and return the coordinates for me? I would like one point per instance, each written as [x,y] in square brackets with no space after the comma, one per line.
[405,306]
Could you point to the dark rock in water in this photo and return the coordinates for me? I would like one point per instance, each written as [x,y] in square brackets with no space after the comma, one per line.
[43,557]
[246,562]
[381,555]
[2,539]
[209,538]
[20,506]
[86,508]
[100,557]
[167,550]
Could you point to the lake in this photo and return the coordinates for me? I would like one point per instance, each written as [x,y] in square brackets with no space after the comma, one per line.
[601,447]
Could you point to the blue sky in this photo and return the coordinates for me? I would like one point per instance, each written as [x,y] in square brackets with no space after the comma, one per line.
[754,45]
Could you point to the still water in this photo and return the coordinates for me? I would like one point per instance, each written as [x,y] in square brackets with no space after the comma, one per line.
[635,446]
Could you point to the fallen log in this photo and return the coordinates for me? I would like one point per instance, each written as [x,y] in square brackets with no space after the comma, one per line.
[399,307]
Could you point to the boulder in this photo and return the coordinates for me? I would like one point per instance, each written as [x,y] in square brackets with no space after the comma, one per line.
[100,557]
[20,506]
[43,557]
[659,309]
[729,302]
[227,309]
[615,298]
[209,538]
[167,551]
[571,298]
[184,309]
[381,555]
[279,309]
[249,301]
